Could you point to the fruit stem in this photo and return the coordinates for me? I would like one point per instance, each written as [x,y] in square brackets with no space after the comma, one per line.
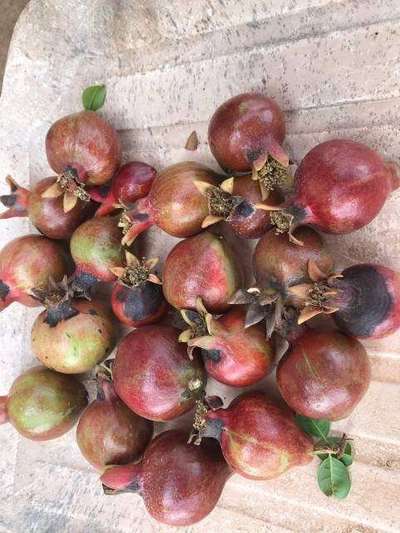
[3,410]
[122,478]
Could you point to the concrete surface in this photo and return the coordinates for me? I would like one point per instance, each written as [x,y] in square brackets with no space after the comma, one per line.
[10,11]
[334,68]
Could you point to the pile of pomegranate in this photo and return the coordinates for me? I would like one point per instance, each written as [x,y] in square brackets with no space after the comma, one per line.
[197,320]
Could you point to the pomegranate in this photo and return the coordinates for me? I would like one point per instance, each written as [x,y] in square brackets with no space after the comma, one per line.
[340,186]
[108,433]
[43,404]
[137,298]
[246,134]
[324,374]
[131,182]
[71,335]
[364,299]
[153,375]
[180,483]
[96,249]
[201,266]
[173,204]
[259,438]
[232,354]
[27,263]
[234,201]
[46,214]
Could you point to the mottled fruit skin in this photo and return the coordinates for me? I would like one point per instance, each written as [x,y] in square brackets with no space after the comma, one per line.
[152,373]
[368,301]
[260,439]
[246,221]
[131,182]
[245,128]
[202,266]
[340,186]
[279,263]
[174,203]
[43,404]
[233,354]
[138,306]
[76,344]
[324,375]
[180,483]
[108,433]
[84,142]
[27,263]
[96,248]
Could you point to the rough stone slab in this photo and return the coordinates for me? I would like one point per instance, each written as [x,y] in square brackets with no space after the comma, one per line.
[334,68]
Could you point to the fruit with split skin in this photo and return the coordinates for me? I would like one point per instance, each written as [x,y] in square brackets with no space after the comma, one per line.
[180,483]
[174,204]
[339,187]
[27,263]
[71,335]
[46,213]
[246,134]
[137,298]
[108,432]
[258,437]
[201,266]
[324,374]
[232,354]
[43,404]
[131,182]
[154,376]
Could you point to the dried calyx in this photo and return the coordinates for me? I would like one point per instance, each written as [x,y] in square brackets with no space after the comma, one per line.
[67,184]
[202,427]
[137,272]
[200,325]
[271,175]
[318,296]
[57,298]
[284,220]
[221,201]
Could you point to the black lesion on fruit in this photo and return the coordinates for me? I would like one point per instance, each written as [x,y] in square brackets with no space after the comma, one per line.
[366,300]
[8,200]
[82,283]
[139,303]
[4,290]
[92,312]
[62,311]
[213,355]
[253,155]
[103,190]
[244,210]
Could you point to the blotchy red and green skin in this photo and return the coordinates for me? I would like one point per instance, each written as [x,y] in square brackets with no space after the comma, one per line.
[324,374]
[27,263]
[108,433]
[245,355]
[131,182]
[47,214]
[75,345]
[246,223]
[43,404]
[368,299]
[279,263]
[203,265]
[245,128]
[180,483]
[340,186]
[96,248]
[87,143]
[138,306]
[152,371]
[260,439]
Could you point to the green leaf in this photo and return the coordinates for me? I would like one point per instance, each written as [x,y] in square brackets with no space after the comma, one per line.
[333,478]
[316,428]
[93,97]
[348,453]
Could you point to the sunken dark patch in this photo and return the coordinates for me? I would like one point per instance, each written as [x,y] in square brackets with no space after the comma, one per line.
[213,355]
[103,190]
[142,301]
[8,200]
[4,290]
[369,301]
[83,282]
[56,314]
[254,154]
[244,209]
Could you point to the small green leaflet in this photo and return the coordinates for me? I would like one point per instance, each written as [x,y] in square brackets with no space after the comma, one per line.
[333,478]
[93,97]
[316,428]
[348,453]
